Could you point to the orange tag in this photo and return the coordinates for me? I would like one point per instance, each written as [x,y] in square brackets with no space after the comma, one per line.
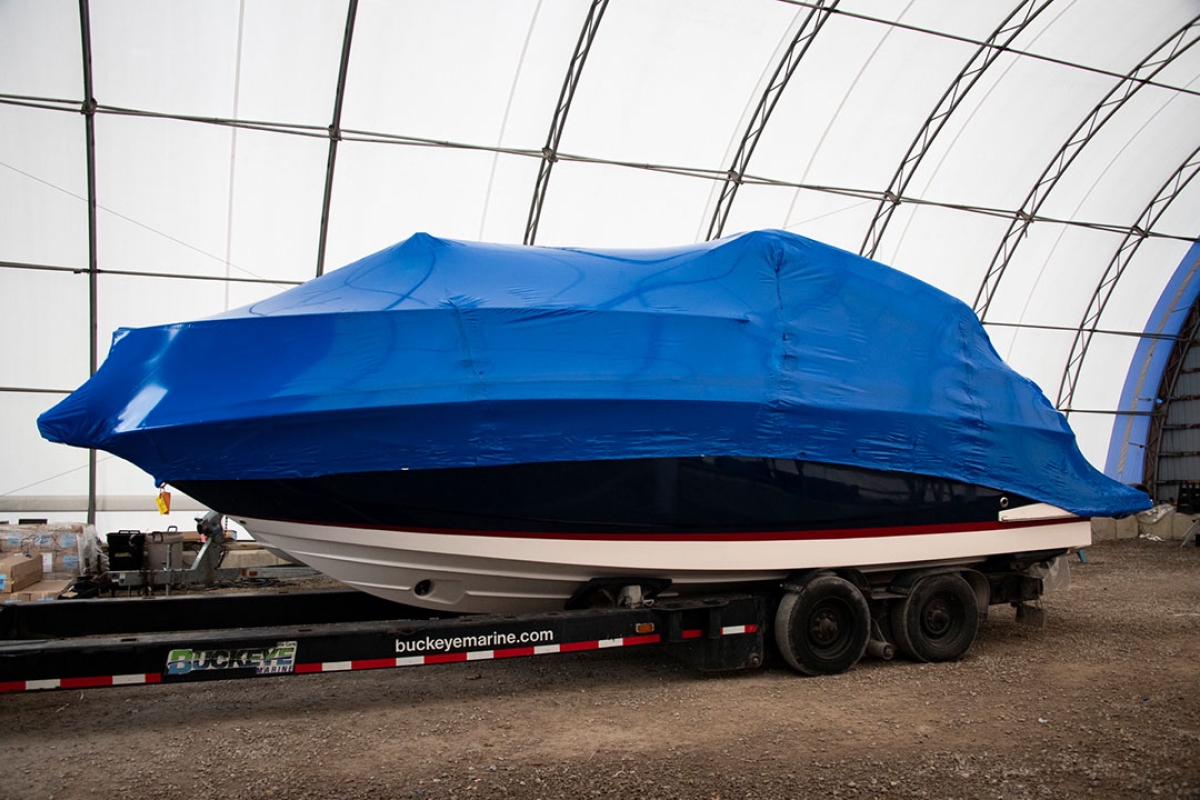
[163,501]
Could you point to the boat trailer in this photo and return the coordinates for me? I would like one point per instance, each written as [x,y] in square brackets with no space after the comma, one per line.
[822,623]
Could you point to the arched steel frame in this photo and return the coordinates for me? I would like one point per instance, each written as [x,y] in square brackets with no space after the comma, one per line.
[784,70]
[954,37]
[985,55]
[382,138]
[335,133]
[1161,57]
[1112,274]
[1167,390]
[89,119]
[591,24]
[1143,75]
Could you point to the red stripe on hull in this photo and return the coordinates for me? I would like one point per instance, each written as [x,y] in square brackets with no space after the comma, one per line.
[727,536]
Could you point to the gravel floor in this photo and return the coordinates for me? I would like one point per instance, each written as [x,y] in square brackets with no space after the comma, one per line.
[1101,703]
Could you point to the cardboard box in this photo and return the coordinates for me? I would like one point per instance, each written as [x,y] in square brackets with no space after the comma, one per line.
[44,590]
[66,563]
[40,538]
[18,571]
[65,548]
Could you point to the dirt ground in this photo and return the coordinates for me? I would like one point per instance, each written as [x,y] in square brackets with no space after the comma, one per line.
[1101,703]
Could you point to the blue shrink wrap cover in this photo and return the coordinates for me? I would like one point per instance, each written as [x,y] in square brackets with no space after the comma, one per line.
[438,353]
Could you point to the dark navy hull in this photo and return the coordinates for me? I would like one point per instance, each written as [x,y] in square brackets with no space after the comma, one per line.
[657,495]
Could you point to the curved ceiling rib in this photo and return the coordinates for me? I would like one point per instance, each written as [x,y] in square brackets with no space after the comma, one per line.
[1116,268]
[335,133]
[953,37]
[804,37]
[401,140]
[1162,56]
[591,24]
[89,120]
[1177,428]
[167,120]
[986,54]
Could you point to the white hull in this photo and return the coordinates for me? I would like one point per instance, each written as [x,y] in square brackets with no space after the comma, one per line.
[507,573]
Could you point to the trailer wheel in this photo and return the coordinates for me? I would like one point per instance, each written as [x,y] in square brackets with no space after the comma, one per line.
[823,629]
[938,620]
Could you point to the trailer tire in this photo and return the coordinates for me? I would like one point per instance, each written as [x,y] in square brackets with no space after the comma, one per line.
[823,628]
[938,620]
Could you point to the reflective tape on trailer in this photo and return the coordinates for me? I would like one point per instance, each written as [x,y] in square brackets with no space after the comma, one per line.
[728,630]
[512,652]
[88,682]
[476,655]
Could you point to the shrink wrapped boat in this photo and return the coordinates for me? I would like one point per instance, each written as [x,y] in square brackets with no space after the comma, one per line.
[481,427]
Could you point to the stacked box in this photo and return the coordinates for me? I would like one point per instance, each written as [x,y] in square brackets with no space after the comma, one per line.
[64,548]
[17,571]
[44,590]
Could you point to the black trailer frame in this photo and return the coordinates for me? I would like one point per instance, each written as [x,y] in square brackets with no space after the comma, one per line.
[823,622]
[76,644]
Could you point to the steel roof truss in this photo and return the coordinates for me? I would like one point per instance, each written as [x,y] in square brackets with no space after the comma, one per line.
[762,113]
[587,35]
[1174,46]
[986,54]
[1116,268]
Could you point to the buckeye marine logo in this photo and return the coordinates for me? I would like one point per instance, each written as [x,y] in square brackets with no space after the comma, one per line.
[280,658]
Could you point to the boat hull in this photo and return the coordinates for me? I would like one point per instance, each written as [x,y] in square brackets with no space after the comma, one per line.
[507,572]
[526,537]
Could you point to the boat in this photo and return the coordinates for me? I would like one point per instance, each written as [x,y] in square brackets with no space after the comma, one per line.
[478,427]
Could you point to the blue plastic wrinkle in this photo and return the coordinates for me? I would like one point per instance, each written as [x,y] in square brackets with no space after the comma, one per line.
[439,353]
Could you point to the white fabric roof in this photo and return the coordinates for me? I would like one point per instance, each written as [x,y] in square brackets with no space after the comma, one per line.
[1023,141]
